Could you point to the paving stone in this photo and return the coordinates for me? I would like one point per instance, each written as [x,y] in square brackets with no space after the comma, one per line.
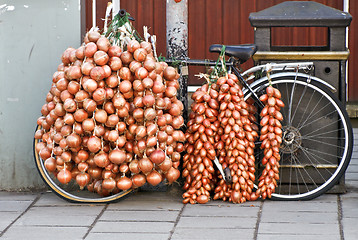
[220,203]
[6,218]
[299,217]
[14,206]
[51,199]
[352,185]
[135,236]
[48,232]
[349,195]
[232,210]
[298,236]
[60,216]
[212,234]
[133,227]
[299,228]
[172,195]
[17,196]
[350,229]
[158,216]
[350,207]
[300,206]
[163,205]
[217,222]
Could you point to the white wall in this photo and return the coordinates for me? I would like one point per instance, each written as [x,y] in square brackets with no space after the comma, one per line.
[33,35]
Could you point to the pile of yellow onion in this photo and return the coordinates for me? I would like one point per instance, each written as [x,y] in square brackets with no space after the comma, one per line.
[111,120]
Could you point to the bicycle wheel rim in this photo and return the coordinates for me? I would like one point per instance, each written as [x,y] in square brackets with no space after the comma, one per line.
[344,143]
[75,196]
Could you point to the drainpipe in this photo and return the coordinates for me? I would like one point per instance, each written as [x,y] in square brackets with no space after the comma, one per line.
[346,9]
[116,6]
[177,43]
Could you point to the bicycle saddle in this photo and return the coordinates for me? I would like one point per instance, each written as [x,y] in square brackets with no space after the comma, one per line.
[243,52]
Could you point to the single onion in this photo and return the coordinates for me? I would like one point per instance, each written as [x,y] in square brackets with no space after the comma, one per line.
[100,58]
[158,156]
[97,73]
[87,67]
[90,49]
[80,115]
[99,94]
[101,115]
[138,180]
[73,140]
[81,95]
[103,44]
[125,86]
[154,178]
[134,166]
[117,156]
[149,114]
[172,175]
[166,165]
[101,159]
[73,87]
[64,176]
[107,71]
[126,58]
[95,172]
[169,73]
[124,183]
[94,144]
[141,73]
[134,65]
[133,45]
[50,164]
[114,51]
[149,65]
[145,165]
[109,184]
[93,36]
[70,105]
[125,73]
[88,125]
[140,54]
[115,63]
[89,105]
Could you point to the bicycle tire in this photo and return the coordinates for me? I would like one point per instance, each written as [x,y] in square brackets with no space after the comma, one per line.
[71,191]
[317,156]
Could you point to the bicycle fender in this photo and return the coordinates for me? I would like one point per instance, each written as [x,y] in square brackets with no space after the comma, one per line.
[308,78]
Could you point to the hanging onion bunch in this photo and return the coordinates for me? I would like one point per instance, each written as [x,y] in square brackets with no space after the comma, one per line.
[236,145]
[271,137]
[197,162]
[112,120]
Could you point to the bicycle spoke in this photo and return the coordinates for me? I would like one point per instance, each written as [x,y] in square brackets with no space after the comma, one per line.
[316,112]
[303,179]
[324,133]
[298,104]
[311,114]
[314,157]
[325,143]
[321,127]
[304,112]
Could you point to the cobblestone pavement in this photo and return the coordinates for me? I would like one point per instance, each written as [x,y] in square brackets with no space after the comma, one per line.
[161,215]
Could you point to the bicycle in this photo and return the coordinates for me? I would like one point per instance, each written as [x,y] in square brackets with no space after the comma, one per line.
[317,134]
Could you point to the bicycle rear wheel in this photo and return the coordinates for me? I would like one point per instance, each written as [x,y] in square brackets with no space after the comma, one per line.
[317,138]
[71,191]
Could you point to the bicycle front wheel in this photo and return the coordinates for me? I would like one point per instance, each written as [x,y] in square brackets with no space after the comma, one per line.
[71,191]
[317,138]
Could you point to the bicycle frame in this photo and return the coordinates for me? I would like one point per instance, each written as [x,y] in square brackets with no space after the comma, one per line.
[232,65]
